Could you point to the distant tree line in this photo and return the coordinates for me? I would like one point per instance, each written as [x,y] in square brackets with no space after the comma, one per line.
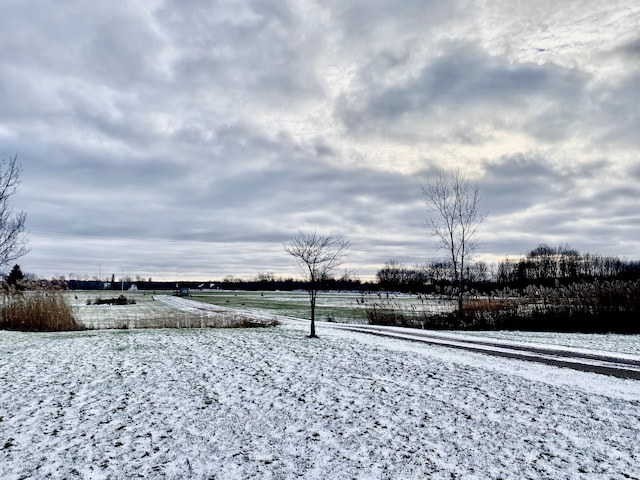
[550,288]
[543,266]
[263,281]
[269,281]
[431,277]
[550,266]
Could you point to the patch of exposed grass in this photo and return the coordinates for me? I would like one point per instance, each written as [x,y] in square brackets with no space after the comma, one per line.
[331,306]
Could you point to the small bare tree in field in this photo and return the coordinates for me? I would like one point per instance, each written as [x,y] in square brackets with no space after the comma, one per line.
[317,256]
[12,232]
[453,204]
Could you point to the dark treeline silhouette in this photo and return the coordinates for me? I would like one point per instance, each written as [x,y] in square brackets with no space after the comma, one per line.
[397,277]
[270,282]
[543,266]
[551,266]
[228,283]
[431,277]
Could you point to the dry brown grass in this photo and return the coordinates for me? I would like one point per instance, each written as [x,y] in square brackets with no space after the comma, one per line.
[38,311]
[193,321]
[489,305]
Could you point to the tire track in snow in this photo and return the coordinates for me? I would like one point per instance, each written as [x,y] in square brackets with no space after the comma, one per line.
[620,367]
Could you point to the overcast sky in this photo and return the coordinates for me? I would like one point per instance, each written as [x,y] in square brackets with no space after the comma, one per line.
[190,138]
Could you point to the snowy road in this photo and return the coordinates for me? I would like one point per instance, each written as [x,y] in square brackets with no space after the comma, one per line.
[618,366]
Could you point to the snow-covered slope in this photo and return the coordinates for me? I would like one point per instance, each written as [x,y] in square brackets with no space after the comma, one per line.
[272,403]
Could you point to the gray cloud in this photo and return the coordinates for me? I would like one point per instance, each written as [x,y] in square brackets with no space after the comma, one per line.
[518,182]
[467,85]
[630,49]
[180,139]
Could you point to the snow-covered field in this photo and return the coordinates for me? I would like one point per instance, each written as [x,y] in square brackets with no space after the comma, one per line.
[347,307]
[155,311]
[272,403]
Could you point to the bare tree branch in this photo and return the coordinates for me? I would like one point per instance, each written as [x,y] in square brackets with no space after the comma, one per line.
[453,204]
[13,238]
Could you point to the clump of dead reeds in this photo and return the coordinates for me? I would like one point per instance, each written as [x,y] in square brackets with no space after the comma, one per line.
[37,311]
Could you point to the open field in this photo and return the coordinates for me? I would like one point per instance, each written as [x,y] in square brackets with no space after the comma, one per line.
[150,311]
[331,306]
[271,403]
[160,311]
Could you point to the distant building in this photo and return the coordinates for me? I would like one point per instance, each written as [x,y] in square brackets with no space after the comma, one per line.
[183,292]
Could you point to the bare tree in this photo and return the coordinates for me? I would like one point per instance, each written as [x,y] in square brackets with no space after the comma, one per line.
[480,271]
[317,256]
[454,219]
[13,239]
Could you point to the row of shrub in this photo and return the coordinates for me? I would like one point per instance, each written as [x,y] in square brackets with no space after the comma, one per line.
[595,307]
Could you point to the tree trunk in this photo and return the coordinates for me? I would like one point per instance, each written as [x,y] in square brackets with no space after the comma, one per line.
[313,318]
[457,279]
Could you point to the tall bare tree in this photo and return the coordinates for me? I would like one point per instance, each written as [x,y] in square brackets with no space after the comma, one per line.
[13,238]
[317,256]
[453,204]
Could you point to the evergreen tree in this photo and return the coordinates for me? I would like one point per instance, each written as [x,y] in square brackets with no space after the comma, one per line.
[15,275]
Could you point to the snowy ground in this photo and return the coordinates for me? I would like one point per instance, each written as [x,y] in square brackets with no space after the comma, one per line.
[155,311]
[272,403]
